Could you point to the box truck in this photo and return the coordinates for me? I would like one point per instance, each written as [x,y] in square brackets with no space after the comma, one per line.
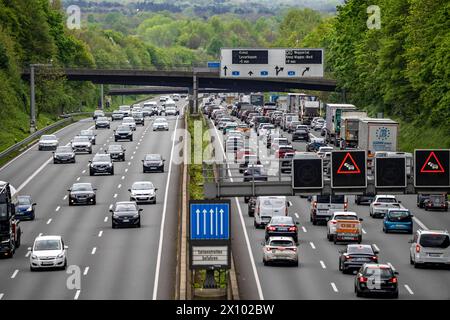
[347,133]
[333,112]
[377,135]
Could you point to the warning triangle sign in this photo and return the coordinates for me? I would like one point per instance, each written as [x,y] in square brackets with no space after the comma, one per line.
[348,165]
[432,165]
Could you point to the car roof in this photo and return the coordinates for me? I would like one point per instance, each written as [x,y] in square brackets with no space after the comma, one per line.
[48,238]
[82,183]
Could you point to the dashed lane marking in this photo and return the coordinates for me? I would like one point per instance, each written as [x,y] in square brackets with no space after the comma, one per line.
[304,229]
[409,289]
[57,208]
[94,250]
[49,221]
[333,285]
[86,270]
[312,245]
[323,264]
[77,294]
[15,273]
[106,219]
[100,233]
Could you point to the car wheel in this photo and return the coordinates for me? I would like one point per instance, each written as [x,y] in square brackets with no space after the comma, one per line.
[426,209]
[138,225]
[340,265]
[335,239]
[115,140]
[18,239]
[395,295]
[91,173]
[143,170]
[385,230]
[113,225]
[94,202]
[255,224]
[131,139]
[32,269]
[64,267]
[314,221]
[112,171]
[90,151]
[411,261]
[33,216]
[417,265]
[358,293]
[359,239]
[295,263]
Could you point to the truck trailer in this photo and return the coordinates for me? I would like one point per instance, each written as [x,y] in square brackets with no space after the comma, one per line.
[10,232]
[333,112]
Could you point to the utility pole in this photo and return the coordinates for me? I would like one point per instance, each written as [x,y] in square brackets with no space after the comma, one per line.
[33,98]
[101,97]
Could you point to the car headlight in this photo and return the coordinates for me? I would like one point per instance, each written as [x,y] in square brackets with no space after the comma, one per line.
[34,257]
[30,209]
[59,256]
[136,215]
[121,154]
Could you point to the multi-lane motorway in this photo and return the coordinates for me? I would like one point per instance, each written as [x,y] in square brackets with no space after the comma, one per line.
[114,264]
[317,276]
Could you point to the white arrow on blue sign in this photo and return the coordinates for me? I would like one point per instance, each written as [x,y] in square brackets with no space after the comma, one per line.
[210,221]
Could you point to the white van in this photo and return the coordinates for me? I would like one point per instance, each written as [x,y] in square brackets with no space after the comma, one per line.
[268,207]
[323,207]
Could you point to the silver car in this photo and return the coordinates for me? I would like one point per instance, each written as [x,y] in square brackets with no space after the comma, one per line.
[48,141]
[143,191]
[280,249]
[81,144]
[430,247]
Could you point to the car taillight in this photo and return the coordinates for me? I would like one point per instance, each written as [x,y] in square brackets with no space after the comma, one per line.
[362,279]
[417,248]
[376,204]
[271,228]
[346,257]
[333,222]
[374,258]
[393,280]
[293,229]
[315,205]
[345,205]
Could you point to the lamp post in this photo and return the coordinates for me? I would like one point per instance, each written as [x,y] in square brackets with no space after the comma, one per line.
[33,101]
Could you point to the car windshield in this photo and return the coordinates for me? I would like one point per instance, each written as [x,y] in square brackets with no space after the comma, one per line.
[276,203]
[115,148]
[125,207]
[377,271]
[123,128]
[387,200]
[102,158]
[281,243]
[23,200]
[302,131]
[153,157]
[117,112]
[48,138]
[81,139]
[43,245]
[82,187]
[326,149]
[345,217]
[360,250]
[435,240]
[399,216]
[142,186]
[64,149]
[160,120]
[281,220]
[437,199]
[102,119]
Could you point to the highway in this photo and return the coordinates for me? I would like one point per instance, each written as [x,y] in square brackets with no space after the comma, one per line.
[317,276]
[114,264]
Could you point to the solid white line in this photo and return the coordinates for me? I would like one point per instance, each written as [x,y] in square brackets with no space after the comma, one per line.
[86,270]
[363,231]
[304,229]
[106,219]
[163,219]
[409,289]
[49,221]
[77,294]
[1,296]
[333,285]
[34,174]
[65,197]
[94,249]
[376,247]
[241,217]
[115,195]
[100,233]
[15,274]
[312,245]
[119,186]
[323,264]
[57,208]
[420,223]
[28,254]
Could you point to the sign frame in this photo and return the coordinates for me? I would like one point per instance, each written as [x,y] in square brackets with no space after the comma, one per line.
[415,169]
[365,169]
[192,247]
[376,175]
[307,188]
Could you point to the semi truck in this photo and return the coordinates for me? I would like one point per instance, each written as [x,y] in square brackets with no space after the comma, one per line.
[333,113]
[347,133]
[10,231]
[376,134]
[257,99]
[306,106]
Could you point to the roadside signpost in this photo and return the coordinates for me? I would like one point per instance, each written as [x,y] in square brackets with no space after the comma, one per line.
[271,63]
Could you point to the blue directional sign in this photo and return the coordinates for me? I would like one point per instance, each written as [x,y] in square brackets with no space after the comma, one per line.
[213,64]
[291,73]
[264,73]
[210,221]
[235,73]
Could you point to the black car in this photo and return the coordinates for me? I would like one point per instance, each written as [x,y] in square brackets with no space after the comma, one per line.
[64,154]
[126,213]
[138,118]
[25,208]
[153,162]
[101,163]
[355,256]
[376,279]
[251,206]
[421,198]
[282,226]
[436,202]
[255,173]
[300,135]
[286,162]
[364,199]
[123,132]
[116,151]
[82,193]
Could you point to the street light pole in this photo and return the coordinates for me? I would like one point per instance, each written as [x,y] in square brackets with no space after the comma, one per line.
[33,98]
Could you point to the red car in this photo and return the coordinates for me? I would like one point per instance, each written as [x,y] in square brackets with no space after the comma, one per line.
[244,151]
[282,150]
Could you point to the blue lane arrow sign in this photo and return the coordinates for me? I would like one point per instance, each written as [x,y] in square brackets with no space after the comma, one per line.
[235,73]
[210,221]
[291,73]
[264,73]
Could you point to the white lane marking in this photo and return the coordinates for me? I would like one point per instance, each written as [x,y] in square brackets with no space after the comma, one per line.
[40,234]
[138,144]
[132,157]
[304,229]
[119,186]
[1,296]
[65,197]
[376,247]
[297,216]
[100,233]
[94,249]
[390,265]
[106,219]
[129,163]
[84,171]
[126,170]
[77,294]
[115,195]
[134,152]
[78,179]
[241,217]
[409,289]
[312,245]
[333,285]
[137,148]
[34,175]
[15,273]
[123,177]
[101,148]
[86,270]
[323,264]
[28,254]
[420,223]
[49,221]
[57,208]
[163,218]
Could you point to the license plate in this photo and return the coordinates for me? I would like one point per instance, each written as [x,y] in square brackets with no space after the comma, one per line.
[359,259]
[47,263]
[282,229]
[152,167]
[434,254]
[126,220]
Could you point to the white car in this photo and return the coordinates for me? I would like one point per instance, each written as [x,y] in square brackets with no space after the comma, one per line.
[48,141]
[340,215]
[430,247]
[143,191]
[163,99]
[171,111]
[280,249]
[129,121]
[48,252]
[381,204]
[323,150]
[81,144]
[268,207]
[160,124]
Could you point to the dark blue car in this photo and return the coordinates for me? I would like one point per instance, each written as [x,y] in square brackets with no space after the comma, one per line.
[25,208]
[399,220]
